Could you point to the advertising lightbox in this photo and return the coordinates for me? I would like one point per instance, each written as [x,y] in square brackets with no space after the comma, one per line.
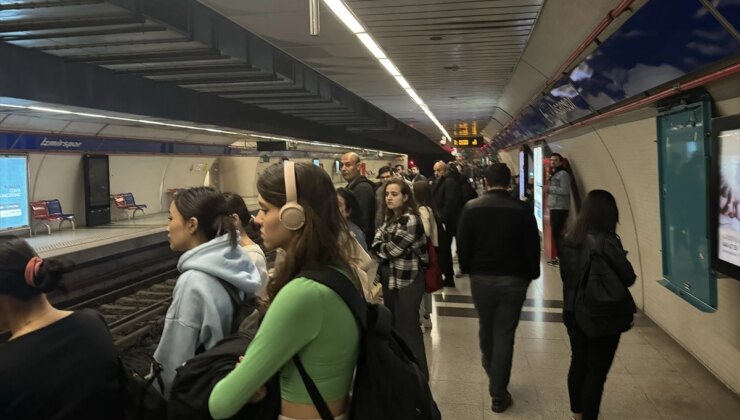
[538,179]
[13,192]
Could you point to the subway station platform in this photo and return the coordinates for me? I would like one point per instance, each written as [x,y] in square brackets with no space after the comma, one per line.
[66,241]
[652,376]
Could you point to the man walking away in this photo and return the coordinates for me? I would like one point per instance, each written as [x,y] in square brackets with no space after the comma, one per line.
[498,245]
[558,201]
[364,190]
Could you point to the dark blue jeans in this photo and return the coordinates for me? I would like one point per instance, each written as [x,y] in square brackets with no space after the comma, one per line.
[499,301]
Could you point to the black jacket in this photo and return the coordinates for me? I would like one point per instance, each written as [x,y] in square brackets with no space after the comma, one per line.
[364,190]
[498,236]
[448,199]
[574,261]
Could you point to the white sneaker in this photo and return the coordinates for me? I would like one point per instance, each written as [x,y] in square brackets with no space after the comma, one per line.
[426,323]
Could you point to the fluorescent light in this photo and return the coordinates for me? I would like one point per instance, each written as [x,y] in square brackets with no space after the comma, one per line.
[54,110]
[350,21]
[371,45]
[388,64]
[211,130]
[403,82]
[345,15]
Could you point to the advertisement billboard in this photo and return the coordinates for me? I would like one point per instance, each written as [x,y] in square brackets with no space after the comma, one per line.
[13,192]
[538,180]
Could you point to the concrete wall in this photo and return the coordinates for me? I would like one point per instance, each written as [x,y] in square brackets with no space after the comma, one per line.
[621,156]
[147,177]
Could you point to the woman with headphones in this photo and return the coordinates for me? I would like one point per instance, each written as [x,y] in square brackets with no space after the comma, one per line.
[300,316]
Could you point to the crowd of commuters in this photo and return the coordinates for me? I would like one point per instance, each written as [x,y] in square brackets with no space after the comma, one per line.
[394,220]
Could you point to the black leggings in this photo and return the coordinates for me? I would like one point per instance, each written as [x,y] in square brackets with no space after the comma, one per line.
[590,362]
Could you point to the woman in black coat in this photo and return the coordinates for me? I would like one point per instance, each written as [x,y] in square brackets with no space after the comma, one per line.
[593,345]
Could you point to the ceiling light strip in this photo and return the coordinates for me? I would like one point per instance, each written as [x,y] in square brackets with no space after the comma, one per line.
[345,15]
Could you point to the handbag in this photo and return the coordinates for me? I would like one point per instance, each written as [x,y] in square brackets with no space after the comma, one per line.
[433,274]
[604,305]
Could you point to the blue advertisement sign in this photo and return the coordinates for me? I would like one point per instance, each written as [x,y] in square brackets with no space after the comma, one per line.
[13,192]
[51,143]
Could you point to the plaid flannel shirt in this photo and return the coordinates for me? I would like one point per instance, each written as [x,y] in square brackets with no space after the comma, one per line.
[401,243]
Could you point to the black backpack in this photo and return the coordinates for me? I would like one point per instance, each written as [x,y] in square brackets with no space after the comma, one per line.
[243,308]
[603,304]
[141,400]
[194,381]
[388,382]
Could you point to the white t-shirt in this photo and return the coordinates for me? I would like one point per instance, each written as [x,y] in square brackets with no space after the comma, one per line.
[258,258]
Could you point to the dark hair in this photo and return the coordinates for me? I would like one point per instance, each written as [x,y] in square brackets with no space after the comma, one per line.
[351,203]
[599,214]
[558,155]
[397,166]
[423,196]
[384,169]
[209,207]
[15,254]
[319,242]
[236,205]
[498,175]
[410,204]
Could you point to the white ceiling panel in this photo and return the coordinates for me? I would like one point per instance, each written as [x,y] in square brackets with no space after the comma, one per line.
[458,55]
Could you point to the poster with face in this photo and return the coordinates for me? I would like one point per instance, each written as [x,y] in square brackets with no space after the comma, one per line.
[729,197]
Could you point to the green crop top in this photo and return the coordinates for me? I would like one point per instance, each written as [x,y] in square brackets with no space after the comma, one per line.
[306,318]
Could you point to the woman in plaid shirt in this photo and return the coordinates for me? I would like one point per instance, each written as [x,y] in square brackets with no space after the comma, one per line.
[400,245]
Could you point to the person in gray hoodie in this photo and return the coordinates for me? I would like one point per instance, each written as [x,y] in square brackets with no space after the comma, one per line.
[558,200]
[201,312]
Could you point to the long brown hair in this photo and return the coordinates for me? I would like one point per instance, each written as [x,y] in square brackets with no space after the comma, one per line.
[423,196]
[318,243]
[410,204]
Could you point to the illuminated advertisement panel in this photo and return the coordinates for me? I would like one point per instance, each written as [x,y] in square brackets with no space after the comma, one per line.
[538,179]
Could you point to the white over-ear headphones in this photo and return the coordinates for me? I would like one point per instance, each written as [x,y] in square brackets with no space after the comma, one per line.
[292,215]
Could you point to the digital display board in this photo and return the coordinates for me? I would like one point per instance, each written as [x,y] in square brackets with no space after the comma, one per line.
[538,178]
[13,191]
[465,142]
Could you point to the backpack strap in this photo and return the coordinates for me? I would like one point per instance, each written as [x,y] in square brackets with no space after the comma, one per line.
[313,391]
[236,301]
[342,286]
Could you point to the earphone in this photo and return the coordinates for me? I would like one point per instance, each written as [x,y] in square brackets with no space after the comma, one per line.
[292,215]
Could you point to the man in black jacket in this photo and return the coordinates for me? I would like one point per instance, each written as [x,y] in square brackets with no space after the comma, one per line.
[448,199]
[364,190]
[499,246]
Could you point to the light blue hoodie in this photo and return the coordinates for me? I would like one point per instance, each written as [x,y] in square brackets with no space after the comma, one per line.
[201,311]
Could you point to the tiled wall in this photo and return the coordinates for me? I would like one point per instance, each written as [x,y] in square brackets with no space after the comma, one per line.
[621,156]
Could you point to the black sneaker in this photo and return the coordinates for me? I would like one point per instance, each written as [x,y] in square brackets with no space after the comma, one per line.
[500,405]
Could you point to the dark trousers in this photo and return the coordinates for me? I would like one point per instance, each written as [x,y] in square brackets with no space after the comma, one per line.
[444,255]
[404,305]
[499,301]
[591,359]
[557,223]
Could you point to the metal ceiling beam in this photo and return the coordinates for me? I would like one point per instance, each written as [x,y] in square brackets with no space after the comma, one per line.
[45,4]
[112,44]
[192,69]
[35,25]
[36,76]
[146,57]
[139,28]
[207,79]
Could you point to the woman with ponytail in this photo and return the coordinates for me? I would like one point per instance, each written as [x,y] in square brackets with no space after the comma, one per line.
[201,311]
[57,364]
